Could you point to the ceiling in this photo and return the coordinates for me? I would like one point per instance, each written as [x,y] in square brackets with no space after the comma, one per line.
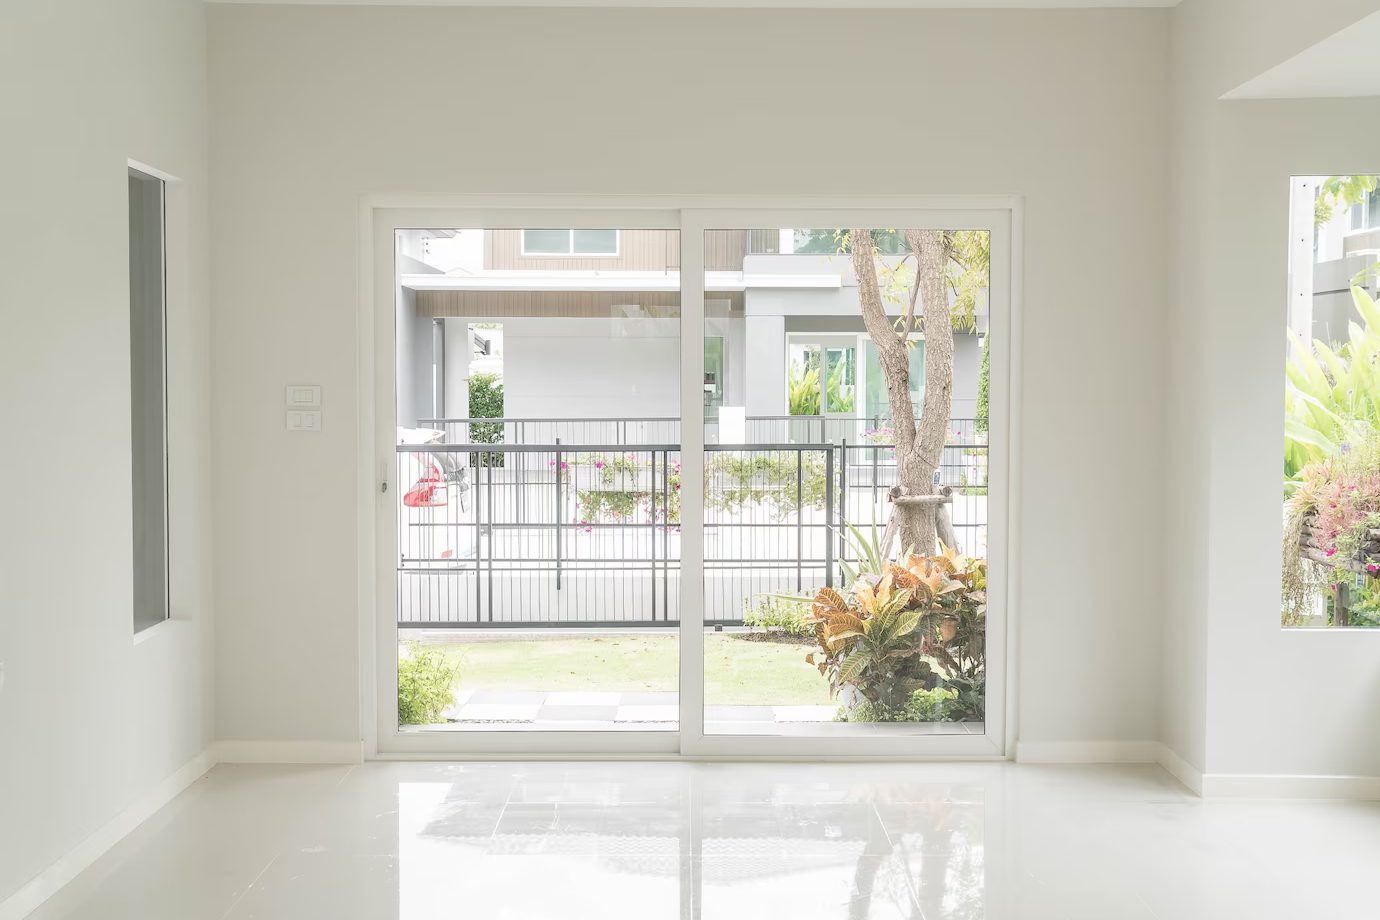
[1342,65]
[784,4]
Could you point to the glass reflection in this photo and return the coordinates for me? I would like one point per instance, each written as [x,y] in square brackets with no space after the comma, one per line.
[686,841]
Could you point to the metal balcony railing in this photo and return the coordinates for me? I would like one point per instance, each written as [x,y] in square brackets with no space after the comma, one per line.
[587,535]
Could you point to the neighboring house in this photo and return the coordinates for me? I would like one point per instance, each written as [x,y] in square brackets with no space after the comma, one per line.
[1320,279]
[590,324]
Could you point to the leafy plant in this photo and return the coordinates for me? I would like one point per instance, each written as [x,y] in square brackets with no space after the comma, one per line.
[864,640]
[802,390]
[837,398]
[606,502]
[867,549]
[1340,192]
[789,615]
[984,385]
[1332,397]
[923,706]
[426,679]
[1339,500]
[741,479]
[486,401]
[921,624]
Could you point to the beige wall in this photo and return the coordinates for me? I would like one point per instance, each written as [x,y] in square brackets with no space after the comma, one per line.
[90,722]
[1064,108]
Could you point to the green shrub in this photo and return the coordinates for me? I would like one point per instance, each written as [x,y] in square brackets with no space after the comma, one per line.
[780,614]
[937,705]
[426,678]
[984,385]
[486,401]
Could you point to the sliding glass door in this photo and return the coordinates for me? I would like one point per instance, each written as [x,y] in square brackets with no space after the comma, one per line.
[846,581]
[667,482]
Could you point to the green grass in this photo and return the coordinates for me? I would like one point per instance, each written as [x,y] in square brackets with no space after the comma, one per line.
[735,672]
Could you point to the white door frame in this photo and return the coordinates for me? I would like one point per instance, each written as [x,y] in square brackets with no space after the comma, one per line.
[381,216]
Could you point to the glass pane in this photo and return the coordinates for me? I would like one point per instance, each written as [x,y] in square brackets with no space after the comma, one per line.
[556,242]
[715,364]
[878,410]
[538,488]
[789,584]
[803,380]
[148,416]
[835,242]
[596,242]
[840,379]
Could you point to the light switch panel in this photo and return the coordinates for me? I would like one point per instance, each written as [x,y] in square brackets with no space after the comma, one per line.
[303,396]
[303,420]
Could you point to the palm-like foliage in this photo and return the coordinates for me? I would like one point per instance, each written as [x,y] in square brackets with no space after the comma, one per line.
[1332,397]
[802,391]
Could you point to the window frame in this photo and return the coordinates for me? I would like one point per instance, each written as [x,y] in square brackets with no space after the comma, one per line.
[381,216]
[141,622]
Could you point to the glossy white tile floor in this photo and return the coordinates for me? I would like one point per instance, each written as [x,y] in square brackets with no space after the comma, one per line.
[757,841]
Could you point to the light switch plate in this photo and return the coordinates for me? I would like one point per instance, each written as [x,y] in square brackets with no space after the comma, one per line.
[303,396]
[299,420]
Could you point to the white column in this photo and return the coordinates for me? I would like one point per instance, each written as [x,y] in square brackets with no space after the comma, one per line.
[766,365]
[458,348]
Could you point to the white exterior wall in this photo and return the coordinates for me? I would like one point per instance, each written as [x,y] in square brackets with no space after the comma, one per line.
[765,341]
[413,361]
[90,722]
[591,368]
[459,346]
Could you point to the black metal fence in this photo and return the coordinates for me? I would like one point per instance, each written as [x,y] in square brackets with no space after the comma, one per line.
[588,535]
[759,429]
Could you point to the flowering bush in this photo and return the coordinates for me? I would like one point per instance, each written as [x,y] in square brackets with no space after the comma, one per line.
[617,494]
[918,625]
[1334,507]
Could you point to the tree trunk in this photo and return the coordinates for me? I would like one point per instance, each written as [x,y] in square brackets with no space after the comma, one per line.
[919,448]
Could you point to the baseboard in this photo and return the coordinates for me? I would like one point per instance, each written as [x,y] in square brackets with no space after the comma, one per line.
[1088,752]
[48,882]
[324,752]
[1181,769]
[1291,786]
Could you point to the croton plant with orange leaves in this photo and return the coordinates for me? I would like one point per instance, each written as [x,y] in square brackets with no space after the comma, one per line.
[918,623]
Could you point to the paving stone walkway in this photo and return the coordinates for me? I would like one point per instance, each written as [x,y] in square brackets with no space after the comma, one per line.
[622,709]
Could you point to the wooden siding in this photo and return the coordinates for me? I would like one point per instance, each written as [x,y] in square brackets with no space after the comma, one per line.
[638,250]
[596,304]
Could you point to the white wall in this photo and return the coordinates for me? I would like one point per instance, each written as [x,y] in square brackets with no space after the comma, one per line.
[89,721]
[591,368]
[1066,108]
[1241,695]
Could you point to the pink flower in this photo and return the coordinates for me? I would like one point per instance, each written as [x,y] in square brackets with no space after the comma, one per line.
[1372,568]
[1331,550]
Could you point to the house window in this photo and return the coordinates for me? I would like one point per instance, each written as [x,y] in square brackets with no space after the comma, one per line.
[570,242]
[1365,214]
[148,400]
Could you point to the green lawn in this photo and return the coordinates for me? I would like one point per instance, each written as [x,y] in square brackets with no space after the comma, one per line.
[737,672]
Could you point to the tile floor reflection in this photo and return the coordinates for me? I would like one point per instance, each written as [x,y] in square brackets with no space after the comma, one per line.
[718,841]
